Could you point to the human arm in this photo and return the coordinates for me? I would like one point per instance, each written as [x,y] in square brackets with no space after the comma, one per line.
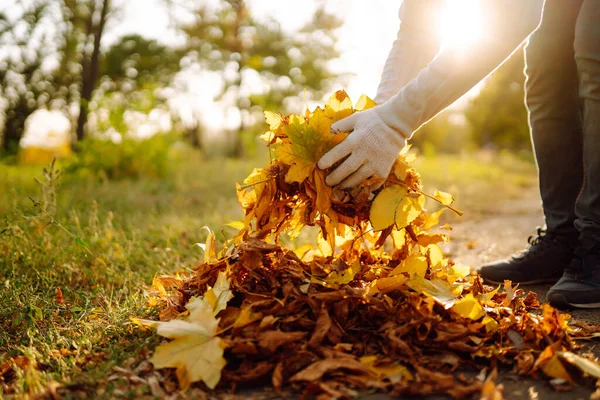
[417,43]
[450,75]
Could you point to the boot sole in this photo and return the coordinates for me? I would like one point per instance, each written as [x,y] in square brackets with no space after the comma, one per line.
[531,282]
[560,301]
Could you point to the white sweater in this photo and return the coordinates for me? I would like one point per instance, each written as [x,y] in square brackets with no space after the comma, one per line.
[416,84]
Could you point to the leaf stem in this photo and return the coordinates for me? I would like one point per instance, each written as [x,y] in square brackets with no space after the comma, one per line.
[242,187]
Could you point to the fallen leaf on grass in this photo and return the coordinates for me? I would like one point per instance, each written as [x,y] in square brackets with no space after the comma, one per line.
[196,352]
[59,298]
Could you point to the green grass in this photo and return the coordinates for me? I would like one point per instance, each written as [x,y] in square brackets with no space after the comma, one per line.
[105,242]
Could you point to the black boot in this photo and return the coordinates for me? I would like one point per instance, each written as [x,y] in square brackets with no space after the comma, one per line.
[580,285]
[544,260]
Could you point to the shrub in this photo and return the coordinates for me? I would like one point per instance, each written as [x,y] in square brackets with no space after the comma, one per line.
[132,158]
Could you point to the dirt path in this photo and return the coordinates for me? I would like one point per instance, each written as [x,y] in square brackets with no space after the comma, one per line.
[482,238]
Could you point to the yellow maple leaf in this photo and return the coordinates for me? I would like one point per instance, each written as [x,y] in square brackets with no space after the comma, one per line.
[195,351]
[320,122]
[308,142]
[338,106]
[257,180]
[468,307]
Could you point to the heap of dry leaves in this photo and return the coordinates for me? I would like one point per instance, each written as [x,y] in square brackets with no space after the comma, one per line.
[372,305]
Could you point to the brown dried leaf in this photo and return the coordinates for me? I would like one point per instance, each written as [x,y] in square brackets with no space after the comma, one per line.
[271,340]
[318,369]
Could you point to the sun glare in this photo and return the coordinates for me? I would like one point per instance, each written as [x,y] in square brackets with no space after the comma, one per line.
[461,23]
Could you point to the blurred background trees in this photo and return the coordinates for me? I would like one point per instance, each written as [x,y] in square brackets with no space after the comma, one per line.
[67,55]
[25,83]
[246,51]
[496,116]
[52,60]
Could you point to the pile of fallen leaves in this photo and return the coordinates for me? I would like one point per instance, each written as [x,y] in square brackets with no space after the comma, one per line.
[373,304]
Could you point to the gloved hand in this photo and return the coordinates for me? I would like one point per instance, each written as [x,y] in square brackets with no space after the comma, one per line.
[371,147]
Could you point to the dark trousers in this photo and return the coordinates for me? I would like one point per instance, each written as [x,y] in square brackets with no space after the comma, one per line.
[563,99]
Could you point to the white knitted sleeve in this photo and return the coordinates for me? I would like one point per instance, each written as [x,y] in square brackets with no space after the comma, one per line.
[417,43]
[451,74]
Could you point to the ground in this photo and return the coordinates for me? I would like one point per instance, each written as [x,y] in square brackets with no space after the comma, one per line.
[499,234]
[488,237]
[72,279]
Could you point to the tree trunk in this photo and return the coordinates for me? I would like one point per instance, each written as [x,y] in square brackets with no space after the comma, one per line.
[195,135]
[14,126]
[238,143]
[89,73]
[13,131]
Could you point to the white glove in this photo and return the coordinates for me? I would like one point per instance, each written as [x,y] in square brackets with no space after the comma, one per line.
[371,148]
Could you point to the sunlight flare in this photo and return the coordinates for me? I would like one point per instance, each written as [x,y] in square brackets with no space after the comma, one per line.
[461,23]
